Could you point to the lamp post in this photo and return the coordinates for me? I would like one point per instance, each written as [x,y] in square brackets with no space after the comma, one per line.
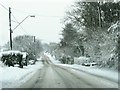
[11,30]
[24,20]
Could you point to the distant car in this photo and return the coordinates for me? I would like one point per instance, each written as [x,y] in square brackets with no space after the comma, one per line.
[86,64]
[32,62]
[93,64]
[89,64]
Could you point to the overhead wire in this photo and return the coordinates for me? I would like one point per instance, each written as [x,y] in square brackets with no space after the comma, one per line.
[26,13]
[18,23]
[29,13]
[13,17]
[3,6]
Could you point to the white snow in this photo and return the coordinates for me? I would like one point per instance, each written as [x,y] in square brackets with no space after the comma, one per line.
[13,52]
[80,60]
[9,52]
[101,72]
[105,73]
[52,58]
[11,77]
[24,54]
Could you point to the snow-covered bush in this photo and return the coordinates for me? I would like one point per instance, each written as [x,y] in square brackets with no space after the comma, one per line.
[66,60]
[10,58]
[81,60]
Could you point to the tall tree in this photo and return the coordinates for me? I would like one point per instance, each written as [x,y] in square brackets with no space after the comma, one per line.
[27,44]
[71,41]
[93,15]
[95,18]
[69,34]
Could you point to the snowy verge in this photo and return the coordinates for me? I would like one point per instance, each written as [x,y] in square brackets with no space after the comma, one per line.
[104,73]
[100,72]
[13,76]
[52,58]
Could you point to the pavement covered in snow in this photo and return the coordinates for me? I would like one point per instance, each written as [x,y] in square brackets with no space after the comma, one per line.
[52,58]
[13,76]
[105,73]
[101,72]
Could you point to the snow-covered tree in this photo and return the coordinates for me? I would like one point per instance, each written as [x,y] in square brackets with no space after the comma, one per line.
[99,20]
[26,43]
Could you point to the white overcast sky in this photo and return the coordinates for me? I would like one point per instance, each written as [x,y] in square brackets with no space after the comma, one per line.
[47,22]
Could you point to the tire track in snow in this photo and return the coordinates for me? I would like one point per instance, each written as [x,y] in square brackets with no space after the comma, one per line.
[71,80]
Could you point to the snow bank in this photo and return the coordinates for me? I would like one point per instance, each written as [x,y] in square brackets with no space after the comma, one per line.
[52,58]
[13,76]
[104,73]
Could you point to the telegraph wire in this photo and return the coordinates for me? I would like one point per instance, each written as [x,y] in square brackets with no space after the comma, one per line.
[4,7]
[29,13]
[26,13]
[13,17]
[18,23]
[48,16]
[21,11]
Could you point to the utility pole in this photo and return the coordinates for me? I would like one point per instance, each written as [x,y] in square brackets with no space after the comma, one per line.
[34,39]
[10,28]
[34,47]
[34,44]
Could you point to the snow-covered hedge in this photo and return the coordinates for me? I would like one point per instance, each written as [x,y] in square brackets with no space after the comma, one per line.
[12,57]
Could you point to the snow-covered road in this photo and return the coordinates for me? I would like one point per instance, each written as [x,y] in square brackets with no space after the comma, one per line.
[48,73]
[56,76]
